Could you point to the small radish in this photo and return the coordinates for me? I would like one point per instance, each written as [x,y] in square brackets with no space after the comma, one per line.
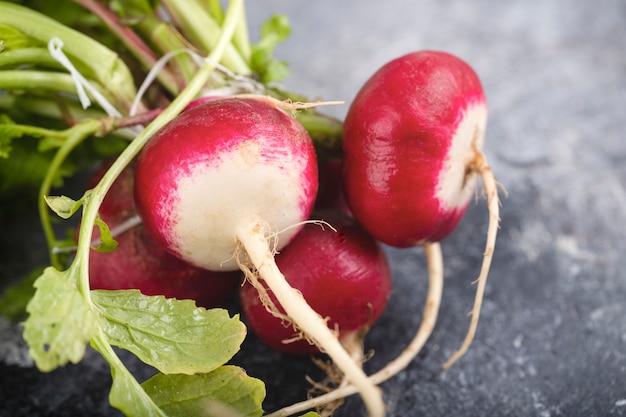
[225,184]
[140,263]
[343,274]
[412,155]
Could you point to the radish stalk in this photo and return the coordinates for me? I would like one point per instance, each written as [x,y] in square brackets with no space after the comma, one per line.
[429,318]
[73,137]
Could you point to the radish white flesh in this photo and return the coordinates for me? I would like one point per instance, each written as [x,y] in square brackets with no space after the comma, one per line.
[140,263]
[232,173]
[412,155]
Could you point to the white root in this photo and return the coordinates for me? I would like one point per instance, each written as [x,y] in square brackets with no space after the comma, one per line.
[429,319]
[253,238]
[490,185]
[434,259]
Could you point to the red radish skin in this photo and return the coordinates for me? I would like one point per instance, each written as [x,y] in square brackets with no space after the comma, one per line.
[431,310]
[343,274]
[239,175]
[412,155]
[409,137]
[192,208]
[330,195]
[139,263]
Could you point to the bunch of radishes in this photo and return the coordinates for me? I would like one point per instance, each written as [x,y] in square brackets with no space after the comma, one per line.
[231,184]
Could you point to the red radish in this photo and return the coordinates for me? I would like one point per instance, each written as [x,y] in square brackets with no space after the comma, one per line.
[343,274]
[140,263]
[218,167]
[412,154]
[232,176]
[431,309]
[330,195]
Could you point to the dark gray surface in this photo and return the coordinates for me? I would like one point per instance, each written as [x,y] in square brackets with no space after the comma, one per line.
[552,336]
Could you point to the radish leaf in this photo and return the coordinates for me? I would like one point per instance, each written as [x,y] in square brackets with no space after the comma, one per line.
[171,335]
[227,388]
[15,298]
[274,31]
[127,395]
[63,206]
[107,243]
[60,322]
[10,130]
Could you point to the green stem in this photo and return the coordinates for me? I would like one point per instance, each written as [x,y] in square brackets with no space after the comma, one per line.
[325,131]
[94,60]
[28,56]
[204,32]
[48,108]
[167,39]
[216,11]
[37,81]
[73,137]
[134,43]
[241,39]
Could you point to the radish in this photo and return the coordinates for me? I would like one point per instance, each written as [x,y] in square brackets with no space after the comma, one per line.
[343,274]
[431,310]
[330,195]
[412,155]
[140,263]
[225,184]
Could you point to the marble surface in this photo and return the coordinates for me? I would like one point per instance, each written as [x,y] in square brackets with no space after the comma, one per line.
[552,335]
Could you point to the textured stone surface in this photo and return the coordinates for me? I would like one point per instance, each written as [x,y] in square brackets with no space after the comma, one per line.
[552,336]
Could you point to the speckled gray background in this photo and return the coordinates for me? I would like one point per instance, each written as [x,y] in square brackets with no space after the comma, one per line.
[552,336]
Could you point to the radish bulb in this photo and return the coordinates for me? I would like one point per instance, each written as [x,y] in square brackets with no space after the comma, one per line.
[232,180]
[412,156]
[140,263]
[342,273]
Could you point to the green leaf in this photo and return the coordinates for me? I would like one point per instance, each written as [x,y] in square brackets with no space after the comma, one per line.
[15,298]
[10,130]
[128,396]
[49,139]
[129,9]
[60,321]
[226,389]
[310,414]
[23,171]
[274,31]
[63,206]
[107,243]
[171,335]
